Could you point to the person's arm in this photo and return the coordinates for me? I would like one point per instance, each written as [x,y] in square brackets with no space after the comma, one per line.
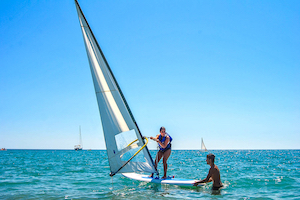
[207,179]
[165,143]
[154,138]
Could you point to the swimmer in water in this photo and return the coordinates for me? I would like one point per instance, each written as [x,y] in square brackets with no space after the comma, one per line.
[213,174]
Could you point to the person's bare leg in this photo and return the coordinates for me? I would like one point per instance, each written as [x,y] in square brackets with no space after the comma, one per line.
[157,159]
[166,156]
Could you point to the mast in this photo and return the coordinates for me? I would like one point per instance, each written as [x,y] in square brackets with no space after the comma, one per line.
[80,139]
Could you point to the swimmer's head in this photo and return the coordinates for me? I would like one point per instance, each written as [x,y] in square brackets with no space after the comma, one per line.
[211,157]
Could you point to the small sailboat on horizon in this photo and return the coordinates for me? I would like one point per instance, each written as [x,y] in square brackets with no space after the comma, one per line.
[203,147]
[78,147]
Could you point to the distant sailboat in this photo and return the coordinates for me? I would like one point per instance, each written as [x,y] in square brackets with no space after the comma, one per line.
[203,147]
[79,146]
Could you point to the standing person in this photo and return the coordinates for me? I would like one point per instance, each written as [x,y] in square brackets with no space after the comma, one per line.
[213,174]
[164,143]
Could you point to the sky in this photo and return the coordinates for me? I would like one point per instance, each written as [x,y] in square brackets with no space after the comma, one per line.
[224,71]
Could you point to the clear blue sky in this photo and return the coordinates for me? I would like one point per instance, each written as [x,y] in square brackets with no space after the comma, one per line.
[227,71]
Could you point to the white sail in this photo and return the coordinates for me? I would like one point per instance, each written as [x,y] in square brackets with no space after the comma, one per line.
[79,146]
[119,126]
[203,147]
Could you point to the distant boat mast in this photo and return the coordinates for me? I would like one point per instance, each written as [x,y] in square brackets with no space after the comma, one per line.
[79,146]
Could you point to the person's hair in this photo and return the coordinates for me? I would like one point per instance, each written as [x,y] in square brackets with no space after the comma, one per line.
[161,128]
[211,157]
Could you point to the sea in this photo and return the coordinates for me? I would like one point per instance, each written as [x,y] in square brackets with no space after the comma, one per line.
[69,174]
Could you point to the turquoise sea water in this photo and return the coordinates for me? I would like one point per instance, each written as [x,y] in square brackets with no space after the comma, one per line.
[66,174]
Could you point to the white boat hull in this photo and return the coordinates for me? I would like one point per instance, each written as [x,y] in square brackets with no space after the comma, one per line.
[169,180]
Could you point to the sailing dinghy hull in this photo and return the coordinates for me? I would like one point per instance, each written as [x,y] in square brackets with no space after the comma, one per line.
[169,180]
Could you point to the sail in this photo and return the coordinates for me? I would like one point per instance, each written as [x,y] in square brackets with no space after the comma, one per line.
[79,146]
[203,147]
[119,126]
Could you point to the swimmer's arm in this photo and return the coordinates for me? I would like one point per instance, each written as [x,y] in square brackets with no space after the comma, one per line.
[207,179]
